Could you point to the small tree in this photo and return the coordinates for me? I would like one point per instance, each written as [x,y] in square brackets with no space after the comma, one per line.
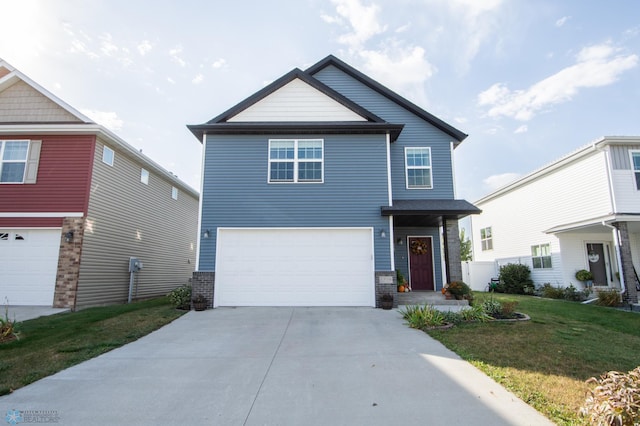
[465,247]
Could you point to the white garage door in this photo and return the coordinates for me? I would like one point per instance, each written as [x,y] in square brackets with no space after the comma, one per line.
[28,265]
[294,267]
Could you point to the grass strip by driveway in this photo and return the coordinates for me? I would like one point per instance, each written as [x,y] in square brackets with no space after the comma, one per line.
[52,343]
[546,361]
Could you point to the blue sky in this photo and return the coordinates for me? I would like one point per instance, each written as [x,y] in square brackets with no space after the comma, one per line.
[529,81]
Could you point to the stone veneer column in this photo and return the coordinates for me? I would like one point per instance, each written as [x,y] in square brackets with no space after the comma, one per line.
[631,296]
[452,250]
[386,283]
[203,283]
[69,263]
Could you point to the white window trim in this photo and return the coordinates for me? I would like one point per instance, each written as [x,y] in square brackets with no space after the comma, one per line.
[482,240]
[295,162]
[174,192]
[540,257]
[633,170]
[144,176]
[406,168]
[106,149]
[26,160]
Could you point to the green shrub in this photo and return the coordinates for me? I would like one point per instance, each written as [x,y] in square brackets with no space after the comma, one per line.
[515,279]
[615,400]
[180,297]
[474,314]
[550,292]
[572,294]
[608,298]
[422,317]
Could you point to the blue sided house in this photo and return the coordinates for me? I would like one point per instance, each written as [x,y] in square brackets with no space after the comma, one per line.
[318,187]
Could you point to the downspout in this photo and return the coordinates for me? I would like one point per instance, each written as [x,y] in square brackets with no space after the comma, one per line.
[392,239]
[616,242]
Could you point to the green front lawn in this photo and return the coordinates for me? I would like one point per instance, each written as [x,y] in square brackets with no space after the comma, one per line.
[53,343]
[546,361]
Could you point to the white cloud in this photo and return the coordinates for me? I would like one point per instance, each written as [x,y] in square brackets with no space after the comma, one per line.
[198,79]
[170,80]
[596,66]
[107,46]
[522,129]
[144,47]
[560,22]
[219,63]
[398,67]
[107,119]
[176,57]
[362,22]
[498,181]
[403,28]
[460,120]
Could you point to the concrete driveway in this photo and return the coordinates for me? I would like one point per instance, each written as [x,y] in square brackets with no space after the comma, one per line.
[275,366]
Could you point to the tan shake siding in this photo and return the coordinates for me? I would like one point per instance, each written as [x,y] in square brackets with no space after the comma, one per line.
[22,103]
[127,218]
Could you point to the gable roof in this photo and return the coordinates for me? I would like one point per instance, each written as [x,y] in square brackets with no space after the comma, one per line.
[79,124]
[373,124]
[384,91]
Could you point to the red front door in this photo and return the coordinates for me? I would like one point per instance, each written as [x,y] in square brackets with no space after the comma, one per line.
[421,263]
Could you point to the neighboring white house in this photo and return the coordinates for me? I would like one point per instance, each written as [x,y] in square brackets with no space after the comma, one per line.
[579,212]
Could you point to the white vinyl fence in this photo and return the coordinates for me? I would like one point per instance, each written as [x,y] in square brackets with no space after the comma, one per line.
[478,274]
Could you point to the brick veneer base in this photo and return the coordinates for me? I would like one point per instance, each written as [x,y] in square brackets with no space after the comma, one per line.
[203,283]
[69,263]
[386,284]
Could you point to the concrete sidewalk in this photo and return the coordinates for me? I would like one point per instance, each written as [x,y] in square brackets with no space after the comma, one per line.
[276,366]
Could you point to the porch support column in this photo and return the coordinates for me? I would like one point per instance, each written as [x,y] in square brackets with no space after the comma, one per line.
[453,264]
[628,274]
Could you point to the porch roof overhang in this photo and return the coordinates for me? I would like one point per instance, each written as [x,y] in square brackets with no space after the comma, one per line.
[597,224]
[428,212]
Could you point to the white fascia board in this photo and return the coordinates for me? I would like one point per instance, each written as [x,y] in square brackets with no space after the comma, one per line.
[41,214]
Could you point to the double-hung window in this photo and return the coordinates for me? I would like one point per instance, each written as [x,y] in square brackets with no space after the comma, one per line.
[486,239]
[296,160]
[418,168]
[541,256]
[635,164]
[13,160]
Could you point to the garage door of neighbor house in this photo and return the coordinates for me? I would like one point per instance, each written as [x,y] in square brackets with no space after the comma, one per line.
[28,265]
[295,267]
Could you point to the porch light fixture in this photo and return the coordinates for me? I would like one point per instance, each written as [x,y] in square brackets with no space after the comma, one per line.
[68,237]
[383,234]
[207,233]
[399,241]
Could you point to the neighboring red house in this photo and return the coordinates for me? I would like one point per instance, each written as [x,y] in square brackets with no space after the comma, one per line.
[77,202]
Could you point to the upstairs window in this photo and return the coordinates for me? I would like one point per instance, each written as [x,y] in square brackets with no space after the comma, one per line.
[296,160]
[541,256]
[635,163]
[418,168]
[144,176]
[174,192]
[486,239]
[13,161]
[108,155]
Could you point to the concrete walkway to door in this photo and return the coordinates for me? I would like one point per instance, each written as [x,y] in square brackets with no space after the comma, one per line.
[276,366]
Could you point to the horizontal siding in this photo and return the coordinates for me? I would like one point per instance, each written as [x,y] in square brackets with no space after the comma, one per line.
[62,180]
[416,132]
[127,218]
[297,101]
[627,195]
[22,103]
[236,192]
[576,192]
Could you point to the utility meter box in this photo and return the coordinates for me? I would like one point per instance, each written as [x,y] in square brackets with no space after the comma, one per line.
[134,264]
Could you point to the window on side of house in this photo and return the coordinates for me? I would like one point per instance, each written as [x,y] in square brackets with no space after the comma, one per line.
[174,192]
[541,256]
[108,156]
[635,164]
[418,168]
[486,239]
[296,160]
[144,176]
[13,160]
